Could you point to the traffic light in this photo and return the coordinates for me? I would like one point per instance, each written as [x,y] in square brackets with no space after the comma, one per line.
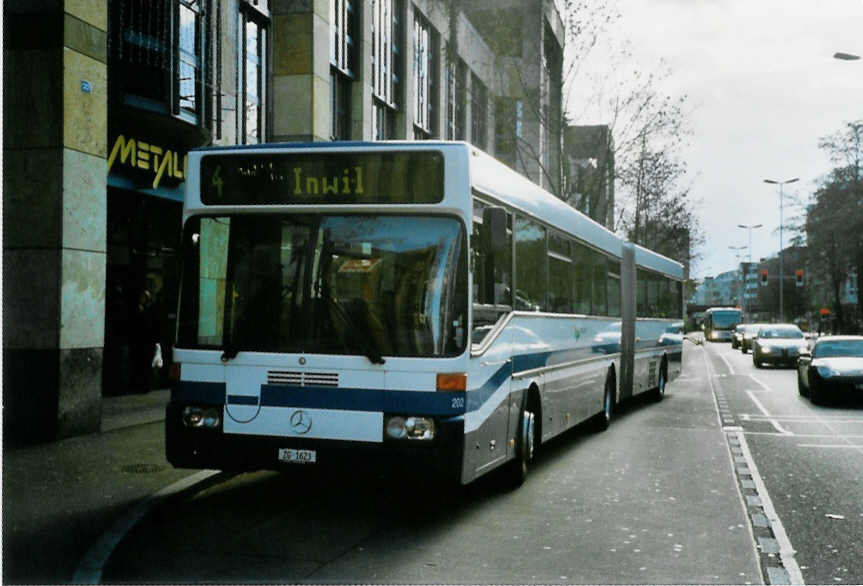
[764,276]
[798,276]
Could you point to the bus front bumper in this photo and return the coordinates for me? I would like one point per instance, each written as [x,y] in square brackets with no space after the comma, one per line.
[439,458]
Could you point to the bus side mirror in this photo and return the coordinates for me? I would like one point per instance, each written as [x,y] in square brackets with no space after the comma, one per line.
[494,229]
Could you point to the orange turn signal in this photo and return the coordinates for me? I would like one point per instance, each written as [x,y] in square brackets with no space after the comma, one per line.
[452,381]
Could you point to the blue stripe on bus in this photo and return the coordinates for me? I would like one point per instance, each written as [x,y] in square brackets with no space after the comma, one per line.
[524,362]
[199,392]
[428,403]
[476,398]
[242,400]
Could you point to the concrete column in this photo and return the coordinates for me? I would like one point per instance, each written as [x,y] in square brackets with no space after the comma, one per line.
[54,249]
[301,71]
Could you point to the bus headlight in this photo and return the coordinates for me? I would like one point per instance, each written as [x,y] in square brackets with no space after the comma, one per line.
[409,428]
[202,417]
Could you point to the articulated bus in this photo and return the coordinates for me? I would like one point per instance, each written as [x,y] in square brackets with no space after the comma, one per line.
[719,323]
[413,305]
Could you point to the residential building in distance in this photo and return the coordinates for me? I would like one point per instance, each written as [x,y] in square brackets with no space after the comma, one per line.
[589,182]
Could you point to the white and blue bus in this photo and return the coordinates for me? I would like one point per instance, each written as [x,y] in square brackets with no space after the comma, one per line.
[402,304]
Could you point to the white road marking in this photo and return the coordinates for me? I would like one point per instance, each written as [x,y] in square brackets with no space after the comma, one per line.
[845,446]
[728,364]
[766,413]
[786,550]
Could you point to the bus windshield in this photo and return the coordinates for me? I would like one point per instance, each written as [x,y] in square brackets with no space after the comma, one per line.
[724,320]
[335,284]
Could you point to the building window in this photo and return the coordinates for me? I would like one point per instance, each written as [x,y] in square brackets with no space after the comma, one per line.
[386,66]
[158,49]
[478,112]
[456,99]
[252,74]
[343,29]
[424,75]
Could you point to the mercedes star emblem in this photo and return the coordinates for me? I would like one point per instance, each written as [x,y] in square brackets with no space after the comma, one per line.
[301,423]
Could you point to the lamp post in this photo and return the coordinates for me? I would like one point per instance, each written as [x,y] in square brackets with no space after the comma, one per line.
[781,277]
[846,56]
[737,250]
[749,262]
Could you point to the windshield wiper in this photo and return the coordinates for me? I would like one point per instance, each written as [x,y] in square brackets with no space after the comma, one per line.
[229,351]
[366,342]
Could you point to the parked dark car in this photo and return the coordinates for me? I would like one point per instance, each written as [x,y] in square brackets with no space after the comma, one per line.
[749,333]
[833,367]
[778,344]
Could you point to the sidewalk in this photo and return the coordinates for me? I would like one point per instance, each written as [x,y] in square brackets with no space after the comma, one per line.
[59,497]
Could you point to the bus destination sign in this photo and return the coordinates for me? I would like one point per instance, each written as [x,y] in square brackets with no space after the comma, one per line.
[395,177]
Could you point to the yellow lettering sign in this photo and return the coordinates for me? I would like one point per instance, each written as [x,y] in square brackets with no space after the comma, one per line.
[147,157]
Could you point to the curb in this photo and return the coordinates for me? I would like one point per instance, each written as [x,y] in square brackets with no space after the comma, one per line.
[90,567]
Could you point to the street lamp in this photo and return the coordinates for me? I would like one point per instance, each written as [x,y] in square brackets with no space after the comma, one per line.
[750,228]
[846,56]
[781,184]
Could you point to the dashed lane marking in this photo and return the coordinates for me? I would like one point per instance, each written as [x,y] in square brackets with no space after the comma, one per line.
[767,415]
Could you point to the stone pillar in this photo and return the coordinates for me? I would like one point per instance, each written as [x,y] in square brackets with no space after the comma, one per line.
[54,221]
[301,71]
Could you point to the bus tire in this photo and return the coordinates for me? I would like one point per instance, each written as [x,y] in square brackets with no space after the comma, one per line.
[525,448]
[603,418]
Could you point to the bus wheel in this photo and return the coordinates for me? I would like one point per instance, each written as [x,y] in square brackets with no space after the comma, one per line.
[603,418]
[525,447]
[659,391]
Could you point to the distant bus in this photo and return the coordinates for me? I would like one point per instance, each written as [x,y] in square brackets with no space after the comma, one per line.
[719,323]
[411,305]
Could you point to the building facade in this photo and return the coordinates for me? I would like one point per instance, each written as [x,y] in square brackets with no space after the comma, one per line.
[93,175]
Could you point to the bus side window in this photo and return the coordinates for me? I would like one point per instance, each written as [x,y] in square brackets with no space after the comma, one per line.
[492,271]
[531,266]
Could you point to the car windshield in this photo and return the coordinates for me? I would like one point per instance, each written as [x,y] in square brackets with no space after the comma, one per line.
[780,333]
[834,348]
[325,284]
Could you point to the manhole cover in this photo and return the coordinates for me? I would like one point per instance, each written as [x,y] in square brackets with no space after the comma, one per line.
[142,468]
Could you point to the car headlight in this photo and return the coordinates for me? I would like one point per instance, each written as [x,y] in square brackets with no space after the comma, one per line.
[826,371]
[766,349]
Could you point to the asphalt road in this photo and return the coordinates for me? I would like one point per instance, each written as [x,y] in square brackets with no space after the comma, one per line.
[655,499]
[810,458]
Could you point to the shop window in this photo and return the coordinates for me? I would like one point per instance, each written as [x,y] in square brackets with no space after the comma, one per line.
[159,50]
[252,53]
[343,29]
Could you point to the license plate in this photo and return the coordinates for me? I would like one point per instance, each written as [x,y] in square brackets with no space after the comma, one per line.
[298,456]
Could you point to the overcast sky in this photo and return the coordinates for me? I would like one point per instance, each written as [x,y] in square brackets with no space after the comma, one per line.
[762,89]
